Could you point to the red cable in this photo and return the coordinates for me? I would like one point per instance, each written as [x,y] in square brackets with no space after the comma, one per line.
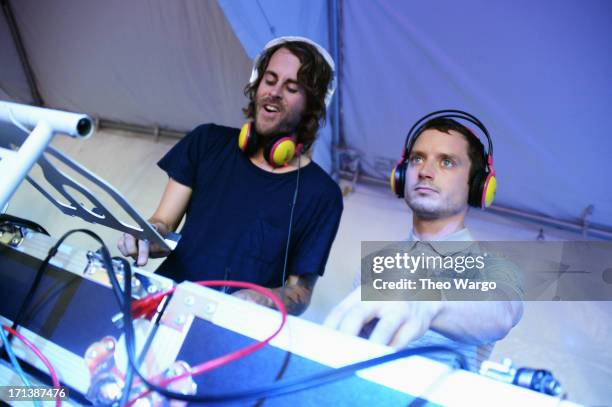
[233,356]
[33,348]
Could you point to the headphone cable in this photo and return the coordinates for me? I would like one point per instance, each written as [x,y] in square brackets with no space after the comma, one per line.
[295,194]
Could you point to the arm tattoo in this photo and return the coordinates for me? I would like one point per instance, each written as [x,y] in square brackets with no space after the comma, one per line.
[296,296]
[298,291]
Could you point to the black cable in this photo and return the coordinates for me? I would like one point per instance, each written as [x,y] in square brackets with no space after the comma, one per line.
[279,375]
[295,194]
[126,308]
[127,292]
[298,384]
[127,313]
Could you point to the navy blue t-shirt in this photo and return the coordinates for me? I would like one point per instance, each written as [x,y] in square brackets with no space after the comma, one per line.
[237,219]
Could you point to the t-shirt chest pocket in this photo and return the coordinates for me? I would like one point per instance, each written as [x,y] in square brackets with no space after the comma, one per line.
[264,241]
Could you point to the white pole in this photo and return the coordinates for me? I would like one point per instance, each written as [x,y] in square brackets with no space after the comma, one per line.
[72,124]
[19,163]
[15,165]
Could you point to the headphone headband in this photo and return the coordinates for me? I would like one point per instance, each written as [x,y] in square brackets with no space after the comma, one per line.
[331,87]
[447,113]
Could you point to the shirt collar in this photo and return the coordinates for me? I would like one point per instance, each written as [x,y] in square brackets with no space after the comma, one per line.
[464,236]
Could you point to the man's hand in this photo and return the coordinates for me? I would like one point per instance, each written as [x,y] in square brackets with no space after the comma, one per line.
[166,218]
[141,250]
[399,322]
[298,291]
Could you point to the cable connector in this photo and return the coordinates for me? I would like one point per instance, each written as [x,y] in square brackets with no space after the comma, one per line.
[151,308]
[539,380]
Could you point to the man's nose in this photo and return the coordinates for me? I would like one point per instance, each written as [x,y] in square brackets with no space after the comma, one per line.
[275,90]
[427,170]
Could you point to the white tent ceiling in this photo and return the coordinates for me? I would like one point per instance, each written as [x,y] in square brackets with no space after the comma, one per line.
[539,74]
[168,64]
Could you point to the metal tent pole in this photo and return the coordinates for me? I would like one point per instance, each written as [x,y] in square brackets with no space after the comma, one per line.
[23,56]
[335,26]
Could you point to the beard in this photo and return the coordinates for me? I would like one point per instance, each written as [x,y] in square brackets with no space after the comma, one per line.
[286,122]
[430,208]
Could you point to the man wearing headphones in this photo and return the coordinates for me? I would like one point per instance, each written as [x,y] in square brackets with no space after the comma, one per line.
[443,169]
[257,208]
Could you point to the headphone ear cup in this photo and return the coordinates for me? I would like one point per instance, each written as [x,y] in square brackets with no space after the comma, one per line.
[398,179]
[280,151]
[488,190]
[247,140]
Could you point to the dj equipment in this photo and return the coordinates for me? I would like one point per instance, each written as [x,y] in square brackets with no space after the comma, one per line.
[72,308]
[482,185]
[71,321]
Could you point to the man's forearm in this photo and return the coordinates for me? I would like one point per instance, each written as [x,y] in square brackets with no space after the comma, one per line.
[296,296]
[477,322]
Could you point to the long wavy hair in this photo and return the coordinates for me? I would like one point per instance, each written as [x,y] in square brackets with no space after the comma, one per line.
[314,76]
